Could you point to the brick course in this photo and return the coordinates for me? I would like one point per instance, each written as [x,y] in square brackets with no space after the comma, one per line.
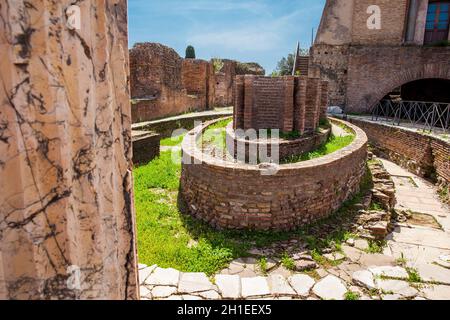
[237,196]
[424,155]
[286,103]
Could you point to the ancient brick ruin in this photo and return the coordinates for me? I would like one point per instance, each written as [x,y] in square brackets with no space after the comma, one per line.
[364,64]
[286,103]
[164,84]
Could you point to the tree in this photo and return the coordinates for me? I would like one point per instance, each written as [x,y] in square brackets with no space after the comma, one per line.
[190,52]
[286,65]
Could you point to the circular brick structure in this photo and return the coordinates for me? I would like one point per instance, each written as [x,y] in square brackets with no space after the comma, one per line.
[242,196]
[286,147]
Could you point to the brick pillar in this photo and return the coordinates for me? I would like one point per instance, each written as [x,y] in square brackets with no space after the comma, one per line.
[249,112]
[312,104]
[66,199]
[300,104]
[238,115]
[288,110]
[324,100]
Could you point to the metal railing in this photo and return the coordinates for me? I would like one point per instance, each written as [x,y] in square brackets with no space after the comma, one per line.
[429,116]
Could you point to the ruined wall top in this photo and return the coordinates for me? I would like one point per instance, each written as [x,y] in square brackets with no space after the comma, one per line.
[286,103]
[346,22]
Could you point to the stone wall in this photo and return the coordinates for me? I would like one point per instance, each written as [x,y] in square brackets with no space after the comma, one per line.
[224,84]
[239,196]
[66,196]
[156,82]
[286,103]
[164,84]
[146,146]
[424,155]
[362,65]
[197,79]
[393,18]
[373,72]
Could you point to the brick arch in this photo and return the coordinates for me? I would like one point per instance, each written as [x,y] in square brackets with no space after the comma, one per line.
[426,71]
[374,71]
[397,79]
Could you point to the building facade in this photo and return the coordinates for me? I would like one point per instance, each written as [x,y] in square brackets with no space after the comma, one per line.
[369,48]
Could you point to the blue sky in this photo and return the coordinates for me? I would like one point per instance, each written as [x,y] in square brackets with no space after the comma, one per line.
[262,31]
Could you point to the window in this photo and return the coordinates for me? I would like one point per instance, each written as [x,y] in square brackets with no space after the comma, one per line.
[437,25]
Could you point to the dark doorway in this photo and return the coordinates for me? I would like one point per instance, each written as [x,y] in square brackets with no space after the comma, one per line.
[428,90]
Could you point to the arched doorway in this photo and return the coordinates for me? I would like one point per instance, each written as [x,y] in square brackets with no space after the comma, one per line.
[423,102]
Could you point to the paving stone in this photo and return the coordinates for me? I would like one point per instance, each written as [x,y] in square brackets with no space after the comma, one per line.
[443,261]
[229,286]
[335,256]
[361,244]
[282,271]
[302,265]
[376,260]
[163,277]
[433,273]
[145,273]
[209,295]
[389,271]
[279,285]
[330,288]
[436,292]
[322,273]
[350,242]
[145,292]
[194,282]
[302,284]
[396,287]
[142,266]
[191,297]
[254,287]
[163,291]
[364,278]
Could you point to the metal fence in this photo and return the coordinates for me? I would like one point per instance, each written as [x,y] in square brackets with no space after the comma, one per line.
[429,116]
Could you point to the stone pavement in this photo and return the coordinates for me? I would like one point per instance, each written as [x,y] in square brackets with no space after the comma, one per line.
[414,265]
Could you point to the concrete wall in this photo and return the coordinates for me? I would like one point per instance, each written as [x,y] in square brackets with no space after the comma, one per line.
[66,196]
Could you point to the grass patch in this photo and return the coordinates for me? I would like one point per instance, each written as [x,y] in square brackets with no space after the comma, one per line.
[333,144]
[351,296]
[215,135]
[376,246]
[413,275]
[164,230]
[262,264]
[172,141]
[287,262]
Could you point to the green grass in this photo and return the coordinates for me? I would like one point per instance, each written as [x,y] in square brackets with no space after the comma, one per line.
[164,230]
[352,296]
[376,246]
[333,144]
[262,264]
[215,134]
[287,262]
[172,141]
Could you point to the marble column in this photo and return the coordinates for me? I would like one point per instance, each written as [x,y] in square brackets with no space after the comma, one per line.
[67,221]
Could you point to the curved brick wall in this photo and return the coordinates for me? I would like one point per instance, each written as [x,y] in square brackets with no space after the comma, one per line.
[237,196]
[286,148]
[424,155]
